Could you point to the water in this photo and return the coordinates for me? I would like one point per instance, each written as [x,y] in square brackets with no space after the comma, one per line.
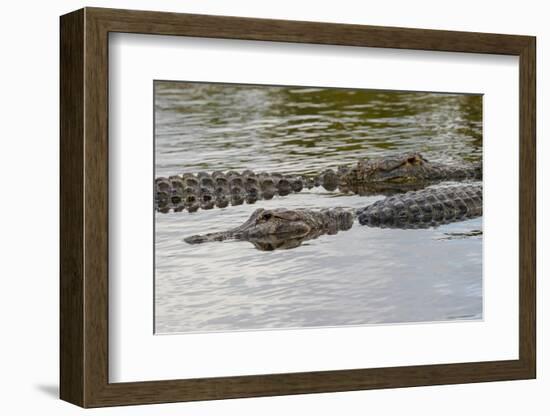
[357,277]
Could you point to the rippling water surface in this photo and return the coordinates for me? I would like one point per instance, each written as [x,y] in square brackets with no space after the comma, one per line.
[357,277]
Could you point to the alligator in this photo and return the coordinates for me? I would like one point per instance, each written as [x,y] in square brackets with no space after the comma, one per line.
[387,175]
[429,207]
[271,229]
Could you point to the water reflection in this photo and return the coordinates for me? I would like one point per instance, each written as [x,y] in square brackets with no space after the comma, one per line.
[201,126]
[361,276]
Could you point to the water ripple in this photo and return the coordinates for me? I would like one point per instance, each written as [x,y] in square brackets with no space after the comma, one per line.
[361,276]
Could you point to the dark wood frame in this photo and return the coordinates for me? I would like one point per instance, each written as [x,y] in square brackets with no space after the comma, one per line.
[84,207]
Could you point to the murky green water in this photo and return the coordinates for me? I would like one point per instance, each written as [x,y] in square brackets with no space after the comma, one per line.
[361,276]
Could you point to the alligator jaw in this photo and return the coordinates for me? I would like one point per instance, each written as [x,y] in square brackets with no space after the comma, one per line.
[235,233]
[205,238]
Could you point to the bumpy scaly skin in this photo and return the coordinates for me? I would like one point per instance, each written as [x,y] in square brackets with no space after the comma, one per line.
[411,167]
[426,208]
[386,175]
[285,228]
[220,189]
[270,229]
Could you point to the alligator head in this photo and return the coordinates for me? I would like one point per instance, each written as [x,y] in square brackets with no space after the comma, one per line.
[270,229]
[399,168]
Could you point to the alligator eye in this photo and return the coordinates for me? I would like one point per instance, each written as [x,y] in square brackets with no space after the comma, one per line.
[412,160]
[266,216]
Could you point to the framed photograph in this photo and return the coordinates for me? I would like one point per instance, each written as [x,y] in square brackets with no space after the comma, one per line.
[255,207]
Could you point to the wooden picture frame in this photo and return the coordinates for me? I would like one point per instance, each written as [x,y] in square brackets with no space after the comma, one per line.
[84,207]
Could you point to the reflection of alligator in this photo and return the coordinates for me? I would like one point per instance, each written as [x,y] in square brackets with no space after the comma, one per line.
[387,175]
[284,228]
